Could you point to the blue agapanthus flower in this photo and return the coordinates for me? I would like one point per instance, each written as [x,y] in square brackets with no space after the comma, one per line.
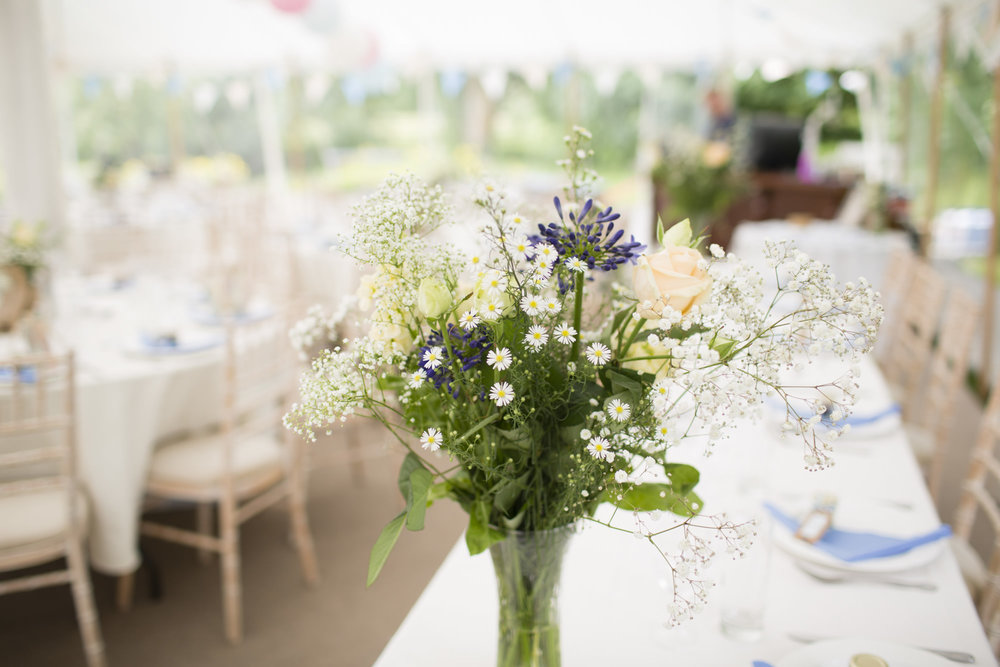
[591,236]
[467,347]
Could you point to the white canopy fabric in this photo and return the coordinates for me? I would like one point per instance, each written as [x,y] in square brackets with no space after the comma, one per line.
[232,36]
[667,33]
[194,36]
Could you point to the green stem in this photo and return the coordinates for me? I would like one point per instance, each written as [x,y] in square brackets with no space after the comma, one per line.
[574,353]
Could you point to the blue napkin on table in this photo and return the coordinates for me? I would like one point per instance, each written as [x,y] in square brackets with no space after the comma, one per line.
[851,547]
[861,420]
[25,374]
[761,663]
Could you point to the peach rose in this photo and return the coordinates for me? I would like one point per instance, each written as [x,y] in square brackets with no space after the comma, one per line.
[672,278]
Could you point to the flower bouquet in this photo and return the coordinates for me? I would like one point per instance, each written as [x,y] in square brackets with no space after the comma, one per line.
[22,257]
[531,387]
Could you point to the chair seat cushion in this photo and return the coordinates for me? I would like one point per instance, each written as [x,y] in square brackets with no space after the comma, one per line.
[973,570]
[34,516]
[199,462]
[921,442]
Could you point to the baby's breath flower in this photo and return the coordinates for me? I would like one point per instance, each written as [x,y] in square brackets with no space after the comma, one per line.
[501,393]
[621,476]
[431,439]
[499,359]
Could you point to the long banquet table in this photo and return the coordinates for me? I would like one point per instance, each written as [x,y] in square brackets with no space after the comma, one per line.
[614,595]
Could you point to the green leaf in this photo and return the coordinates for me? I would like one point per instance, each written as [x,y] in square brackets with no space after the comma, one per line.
[649,497]
[383,545]
[480,535]
[391,383]
[420,484]
[509,492]
[682,477]
[659,230]
[679,234]
[410,463]
[625,380]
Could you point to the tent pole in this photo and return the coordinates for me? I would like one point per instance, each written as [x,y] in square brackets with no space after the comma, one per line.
[906,95]
[989,289]
[934,157]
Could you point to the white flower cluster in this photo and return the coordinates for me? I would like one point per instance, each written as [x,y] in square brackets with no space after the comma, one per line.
[318,330]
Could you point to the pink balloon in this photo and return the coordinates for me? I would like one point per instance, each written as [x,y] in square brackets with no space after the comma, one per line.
[290,6]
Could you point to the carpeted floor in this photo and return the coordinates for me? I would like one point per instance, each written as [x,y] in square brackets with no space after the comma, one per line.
[352,494]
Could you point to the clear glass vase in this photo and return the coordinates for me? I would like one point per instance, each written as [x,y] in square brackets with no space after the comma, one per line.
[528,567]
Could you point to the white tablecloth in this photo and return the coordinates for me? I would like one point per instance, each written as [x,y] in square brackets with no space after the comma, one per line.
[851,252]
[127,400]
[613,598]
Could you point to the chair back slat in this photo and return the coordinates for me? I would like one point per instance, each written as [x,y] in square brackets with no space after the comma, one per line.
[913,333]
[37,427]
[934,408]
[895,280]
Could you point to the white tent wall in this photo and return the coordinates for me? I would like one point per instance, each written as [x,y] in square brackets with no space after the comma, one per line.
[29,150]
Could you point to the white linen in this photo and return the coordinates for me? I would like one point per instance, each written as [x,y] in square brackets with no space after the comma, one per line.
[614,592]
[851,252]
[127,402]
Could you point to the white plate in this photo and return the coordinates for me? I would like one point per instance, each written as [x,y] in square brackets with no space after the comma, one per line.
[187,343]
[870,516]
[838,652]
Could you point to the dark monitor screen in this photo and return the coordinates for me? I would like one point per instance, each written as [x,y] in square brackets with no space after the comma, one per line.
[775,143]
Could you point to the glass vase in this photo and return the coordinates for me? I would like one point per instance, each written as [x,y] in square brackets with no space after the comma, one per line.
[528,567]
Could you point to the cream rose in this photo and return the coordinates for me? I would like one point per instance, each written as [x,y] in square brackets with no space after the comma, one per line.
[433,297]
[672,278]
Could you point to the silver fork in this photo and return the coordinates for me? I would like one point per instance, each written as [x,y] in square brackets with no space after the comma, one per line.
[830,577]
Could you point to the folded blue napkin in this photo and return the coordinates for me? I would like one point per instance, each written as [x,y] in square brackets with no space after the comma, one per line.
[861,420]
[25,374]
[761,663]
[851,547]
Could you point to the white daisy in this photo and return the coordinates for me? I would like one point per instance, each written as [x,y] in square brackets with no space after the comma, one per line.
[661,432]
[431,439]
[522,246]
[432,357]
[598,354]
[618,410]
[495,282]
[543,266]
[417,378]
[501,393]
[538,281]
[546,251]
[499,359]
[491,311]
[475,261]
[531,304]
[552,306]
[598,448]
[660,390]
[469,320]
[565,334]
[576,264]
[536,337]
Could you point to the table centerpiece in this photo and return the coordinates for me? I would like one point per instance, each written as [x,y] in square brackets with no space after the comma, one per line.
[530,387]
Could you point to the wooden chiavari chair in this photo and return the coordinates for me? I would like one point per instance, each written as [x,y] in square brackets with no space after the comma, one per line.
[931,418]
[979,501]
[895,281]
[43,508]
[913,335]
[250,464]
